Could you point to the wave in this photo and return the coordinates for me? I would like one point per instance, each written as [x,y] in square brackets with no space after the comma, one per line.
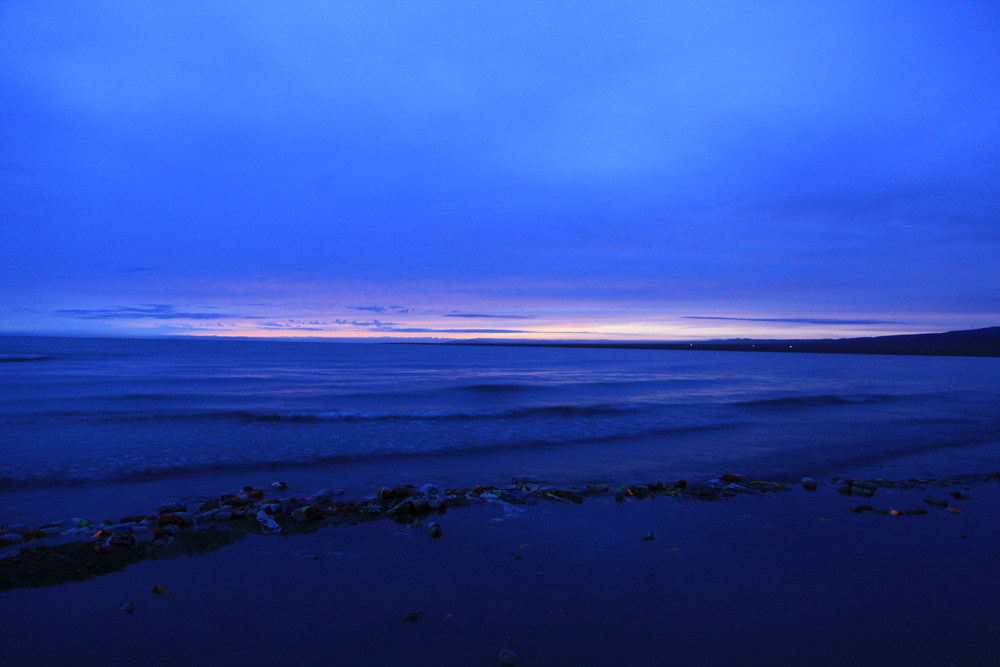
[498,388]
[114,470]
[319,416]
[431,415]
[25,357]
[819,400]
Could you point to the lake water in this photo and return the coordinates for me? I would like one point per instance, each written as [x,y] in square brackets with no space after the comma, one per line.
[114,425]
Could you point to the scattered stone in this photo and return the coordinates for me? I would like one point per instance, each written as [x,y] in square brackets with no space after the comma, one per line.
[914,511]
[268,526]
[809,484]
[168,508]
[861,491]
[649,536]
[597,488]
[936,502]
[508,657]
[869,486]
[434,530]
[730,478]
[8,539]
[160,590]
[526,479]
[858,509]
[429,490]
[412,617]
[844,490]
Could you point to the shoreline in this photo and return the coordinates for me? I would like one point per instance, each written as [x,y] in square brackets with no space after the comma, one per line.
[81,549]
[758,577]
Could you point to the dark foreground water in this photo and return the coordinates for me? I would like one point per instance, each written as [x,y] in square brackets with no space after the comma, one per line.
[91,424]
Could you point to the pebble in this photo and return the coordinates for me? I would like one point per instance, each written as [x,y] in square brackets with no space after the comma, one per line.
[936,502]
[526,479]
[169,508]
[430,490]
[649,536]
[434,530]
[808,483]
[508,657]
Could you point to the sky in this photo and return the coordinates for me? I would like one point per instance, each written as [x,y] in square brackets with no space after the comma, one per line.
[587,169]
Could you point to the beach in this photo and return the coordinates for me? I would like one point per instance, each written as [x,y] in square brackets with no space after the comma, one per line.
[785,575]
[597,555]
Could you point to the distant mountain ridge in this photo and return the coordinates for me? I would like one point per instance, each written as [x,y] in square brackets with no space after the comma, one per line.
[968,343]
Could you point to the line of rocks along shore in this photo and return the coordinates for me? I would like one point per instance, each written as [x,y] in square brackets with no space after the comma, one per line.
[79,549]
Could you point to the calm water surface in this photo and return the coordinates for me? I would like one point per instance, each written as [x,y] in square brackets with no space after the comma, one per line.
[84,422]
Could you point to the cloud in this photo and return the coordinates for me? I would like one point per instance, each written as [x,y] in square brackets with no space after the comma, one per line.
[371,309]
[145,312]
[464,331]
[295,327]
[499,317]
[791,320]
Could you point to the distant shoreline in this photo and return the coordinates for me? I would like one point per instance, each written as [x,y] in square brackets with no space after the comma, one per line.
[969,343]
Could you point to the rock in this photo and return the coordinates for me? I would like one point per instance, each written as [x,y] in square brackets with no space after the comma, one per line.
[597,488]
[858,509]
[127,607]
[914,511]
[508,657]
[169,508]
[936,502]
[958,495]
[526,479]
[844,490]
[870,486]
[430,490]
[808,483]
[731,478]
[861,491]
[209,505]
[434,530]
[649,536]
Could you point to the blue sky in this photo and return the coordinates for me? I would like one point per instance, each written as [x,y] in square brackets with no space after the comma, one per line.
[506,169]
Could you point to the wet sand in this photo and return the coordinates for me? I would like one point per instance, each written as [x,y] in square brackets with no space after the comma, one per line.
[794,577]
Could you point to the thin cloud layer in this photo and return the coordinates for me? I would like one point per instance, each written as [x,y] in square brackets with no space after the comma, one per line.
[599,168]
